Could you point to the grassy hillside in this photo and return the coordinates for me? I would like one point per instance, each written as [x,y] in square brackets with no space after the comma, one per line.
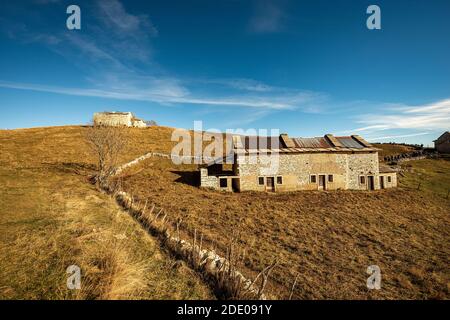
[391,149]
[51,217]
[432,176]
[327,238]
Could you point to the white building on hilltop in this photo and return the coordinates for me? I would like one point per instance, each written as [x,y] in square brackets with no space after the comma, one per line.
[117,119]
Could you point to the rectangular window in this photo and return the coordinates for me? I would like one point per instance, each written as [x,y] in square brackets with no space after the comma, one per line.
[261,181]
[362,180]
[279,180]
[330,178]
[389,179]
[313,179]
[223,183]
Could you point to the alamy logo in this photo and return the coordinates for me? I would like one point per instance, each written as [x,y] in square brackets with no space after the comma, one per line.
[374,20]
[374,281]
[74,20]
[74,280]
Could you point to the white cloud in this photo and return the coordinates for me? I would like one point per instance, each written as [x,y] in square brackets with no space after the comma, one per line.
[433,116]
[169,93]
[399,136]
[120,21]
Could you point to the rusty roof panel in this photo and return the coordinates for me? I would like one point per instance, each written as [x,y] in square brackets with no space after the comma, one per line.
[349,142]
[311,143]
[255,142]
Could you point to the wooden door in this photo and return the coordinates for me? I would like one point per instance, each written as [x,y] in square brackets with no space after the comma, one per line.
[322,182]
[381,182]
[371,183]
[270,184]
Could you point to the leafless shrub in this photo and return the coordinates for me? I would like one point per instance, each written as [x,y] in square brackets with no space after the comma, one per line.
[107,143]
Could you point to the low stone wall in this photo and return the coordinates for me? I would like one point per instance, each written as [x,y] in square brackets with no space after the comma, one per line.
[219,272]
[161,155]
[207,181]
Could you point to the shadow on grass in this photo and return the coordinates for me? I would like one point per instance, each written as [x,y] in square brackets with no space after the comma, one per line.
[191,178]
[82,169]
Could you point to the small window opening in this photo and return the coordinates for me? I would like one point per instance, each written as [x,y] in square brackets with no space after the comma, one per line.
[223,183]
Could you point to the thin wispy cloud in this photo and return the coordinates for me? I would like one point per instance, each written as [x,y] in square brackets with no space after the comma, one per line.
[164,96]
[114,15]
[238,83]
[116,55]
[399,136]
[434,115]
[268,17]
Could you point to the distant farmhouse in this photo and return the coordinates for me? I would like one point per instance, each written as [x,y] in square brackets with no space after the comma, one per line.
[323,163]
[118,119]
[442,144]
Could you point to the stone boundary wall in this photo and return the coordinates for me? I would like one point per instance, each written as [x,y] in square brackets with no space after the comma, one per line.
[219,271]
[161,155]
[407,156]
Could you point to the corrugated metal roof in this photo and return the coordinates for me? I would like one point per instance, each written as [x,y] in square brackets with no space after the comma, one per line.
[311,143]
[349,142]
[256,143]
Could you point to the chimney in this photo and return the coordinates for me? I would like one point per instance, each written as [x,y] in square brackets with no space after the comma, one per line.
[333,141]
[287,142]
[237,142]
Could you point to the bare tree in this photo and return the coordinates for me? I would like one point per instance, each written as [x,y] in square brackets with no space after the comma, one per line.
[151,123]
[107,143]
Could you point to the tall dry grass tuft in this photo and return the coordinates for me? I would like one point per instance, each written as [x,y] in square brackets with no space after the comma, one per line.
[51,218]
[111,274]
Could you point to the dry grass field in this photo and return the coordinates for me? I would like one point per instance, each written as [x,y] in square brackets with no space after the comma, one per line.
[327,239]
[51,217]
[391,149]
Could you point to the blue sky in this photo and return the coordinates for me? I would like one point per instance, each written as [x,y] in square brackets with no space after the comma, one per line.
[304,67]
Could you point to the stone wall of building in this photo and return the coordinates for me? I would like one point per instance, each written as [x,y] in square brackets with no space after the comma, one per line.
[138,123]
[390,180]
[364,164]
[339,170]
[207,181]
[118,119]
[113,119]
[443,147]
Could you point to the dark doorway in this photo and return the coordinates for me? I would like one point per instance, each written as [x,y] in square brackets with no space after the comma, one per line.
[381,182]
[235,184]
[322,183]
[270,184]
[371,182]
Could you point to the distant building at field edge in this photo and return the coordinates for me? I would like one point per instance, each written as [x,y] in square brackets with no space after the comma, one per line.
[442,144]
[118,119]
[289,164]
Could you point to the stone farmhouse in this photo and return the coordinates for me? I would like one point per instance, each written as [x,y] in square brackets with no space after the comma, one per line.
[442,144]
[289,164]
[118,119]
